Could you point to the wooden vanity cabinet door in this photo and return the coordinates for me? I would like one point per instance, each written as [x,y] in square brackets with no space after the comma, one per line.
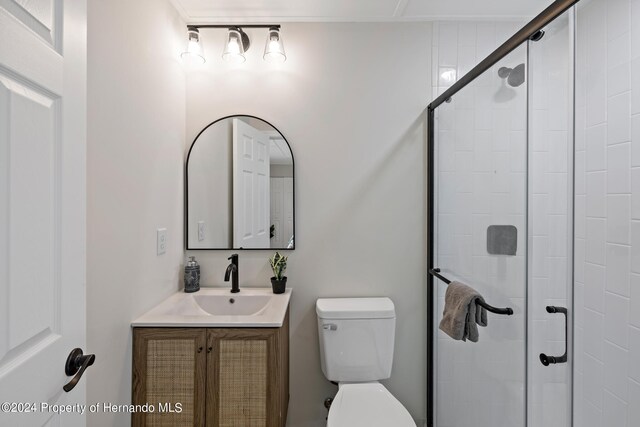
[169,366]
[239,381]
[242,382]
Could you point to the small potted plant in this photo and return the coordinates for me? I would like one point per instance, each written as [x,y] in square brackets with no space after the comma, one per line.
[278,265]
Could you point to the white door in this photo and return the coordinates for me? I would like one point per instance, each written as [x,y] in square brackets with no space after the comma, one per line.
[281,211]
[250,187]
[277,211]
[42,206]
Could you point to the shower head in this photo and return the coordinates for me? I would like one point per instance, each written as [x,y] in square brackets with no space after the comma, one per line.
[514,76]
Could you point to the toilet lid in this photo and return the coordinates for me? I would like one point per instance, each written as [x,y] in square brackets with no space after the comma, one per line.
[367,405]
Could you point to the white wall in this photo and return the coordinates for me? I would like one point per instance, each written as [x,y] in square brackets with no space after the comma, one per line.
[607,252]
[210,187]
[350,101]
[136,116]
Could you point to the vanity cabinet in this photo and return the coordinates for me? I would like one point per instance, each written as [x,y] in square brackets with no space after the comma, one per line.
[219,376]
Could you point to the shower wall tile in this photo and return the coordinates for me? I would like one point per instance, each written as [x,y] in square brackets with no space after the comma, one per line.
[594,381]
[596,148]
[579,263]
[618,169]
[633,418]
[617,18]
[619,79]
[635,82]
[618,269]
[635,29]
[616,319]
[618,218]
[618,50]
[580,174]
[596,97]
[467,34]
[595,243]
[635,246]
[592,415]
[485,41]
[635,197]
[594,287]
[615,410]
[634,353]
[616,372]
[618,118]
[594,339]
[596,194]
[614,82]
[634,303]
[635,137]
[580,210]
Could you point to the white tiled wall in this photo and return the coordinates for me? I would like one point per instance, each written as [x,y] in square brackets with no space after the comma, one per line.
[607,253]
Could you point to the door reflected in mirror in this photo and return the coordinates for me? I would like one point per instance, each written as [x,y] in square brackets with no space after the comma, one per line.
[240,187]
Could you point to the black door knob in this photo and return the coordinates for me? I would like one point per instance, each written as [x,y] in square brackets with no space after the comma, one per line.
[76,364]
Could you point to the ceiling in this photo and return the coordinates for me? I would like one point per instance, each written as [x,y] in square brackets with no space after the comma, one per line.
[250,11]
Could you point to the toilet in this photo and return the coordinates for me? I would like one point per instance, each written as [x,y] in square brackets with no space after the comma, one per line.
[356,350]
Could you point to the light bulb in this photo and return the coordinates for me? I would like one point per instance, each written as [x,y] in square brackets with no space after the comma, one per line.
[234,49]
[274,49]
[193,53]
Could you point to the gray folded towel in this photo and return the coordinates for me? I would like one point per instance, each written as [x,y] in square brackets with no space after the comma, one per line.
[461,313]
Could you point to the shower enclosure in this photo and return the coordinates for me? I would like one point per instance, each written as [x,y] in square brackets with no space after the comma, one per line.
[501,219]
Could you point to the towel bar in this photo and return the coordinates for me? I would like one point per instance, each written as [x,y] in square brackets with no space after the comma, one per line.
[504,311]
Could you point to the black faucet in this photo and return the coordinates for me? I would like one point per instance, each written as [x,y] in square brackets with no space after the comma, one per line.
[232,270]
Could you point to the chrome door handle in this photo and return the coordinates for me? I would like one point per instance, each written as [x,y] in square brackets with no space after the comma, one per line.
[77,363]
[330,327]
[552,360]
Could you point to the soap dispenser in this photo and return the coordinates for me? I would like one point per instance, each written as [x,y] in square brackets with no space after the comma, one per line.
[192,275]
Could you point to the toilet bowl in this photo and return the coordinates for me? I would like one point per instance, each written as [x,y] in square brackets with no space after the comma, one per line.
[367,405]
[356,350]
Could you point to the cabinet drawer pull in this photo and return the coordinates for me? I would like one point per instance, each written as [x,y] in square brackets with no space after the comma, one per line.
[199,349]
[209,349]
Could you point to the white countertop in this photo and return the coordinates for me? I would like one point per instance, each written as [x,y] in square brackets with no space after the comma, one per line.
[194,309]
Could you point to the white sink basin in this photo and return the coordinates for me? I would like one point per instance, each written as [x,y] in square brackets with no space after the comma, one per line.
[226,305]
[217,307]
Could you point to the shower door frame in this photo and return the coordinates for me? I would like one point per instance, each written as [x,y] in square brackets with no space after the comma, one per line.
[552,12]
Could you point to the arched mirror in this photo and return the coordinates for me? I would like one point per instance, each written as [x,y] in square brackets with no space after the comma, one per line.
[240,187]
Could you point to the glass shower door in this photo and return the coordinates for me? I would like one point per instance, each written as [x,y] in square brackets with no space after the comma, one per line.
[550,278]
[480,216]
[504,224]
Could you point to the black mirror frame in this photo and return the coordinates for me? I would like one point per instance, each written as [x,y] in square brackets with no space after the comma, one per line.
[186,191]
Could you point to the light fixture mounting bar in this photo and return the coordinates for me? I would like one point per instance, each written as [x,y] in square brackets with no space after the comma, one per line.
[233,26]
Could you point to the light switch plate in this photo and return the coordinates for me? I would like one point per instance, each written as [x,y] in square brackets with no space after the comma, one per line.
[161,241]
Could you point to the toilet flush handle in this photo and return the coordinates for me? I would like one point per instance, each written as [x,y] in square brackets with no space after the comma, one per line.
[330,327]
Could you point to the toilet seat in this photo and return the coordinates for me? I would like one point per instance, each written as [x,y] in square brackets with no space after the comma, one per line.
[367,405]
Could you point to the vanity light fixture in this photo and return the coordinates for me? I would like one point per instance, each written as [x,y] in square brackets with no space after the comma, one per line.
[236,44]
[274,50]
[193,53]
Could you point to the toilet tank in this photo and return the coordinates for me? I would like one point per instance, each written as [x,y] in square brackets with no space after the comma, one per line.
[356,338]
